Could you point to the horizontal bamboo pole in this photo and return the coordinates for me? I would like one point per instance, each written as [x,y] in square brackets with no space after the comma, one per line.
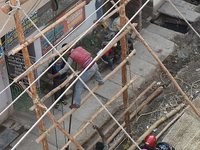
[33,67]
[169,124]
[166,71]
[101,109]
[151,97]
[87,96]
[6,8]
[114,123]
[53,25]
[52,117]
[156,124]
[55,89]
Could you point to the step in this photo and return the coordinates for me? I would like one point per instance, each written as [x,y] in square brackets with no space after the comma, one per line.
[169,10]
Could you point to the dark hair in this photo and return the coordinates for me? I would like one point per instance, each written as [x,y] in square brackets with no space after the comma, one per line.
[64,44]
[99,146]
[129,41]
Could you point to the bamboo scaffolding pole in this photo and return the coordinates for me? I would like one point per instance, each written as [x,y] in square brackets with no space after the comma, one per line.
[6,8]
[114,123]
[101,109]
[28,42]
[169,124]
[151,97]
[52,117]
[27,62]
[53,25]
[68,45]
[29,92]
[55,89]
[156,124]
[124,71]
[166,71]
[86,97]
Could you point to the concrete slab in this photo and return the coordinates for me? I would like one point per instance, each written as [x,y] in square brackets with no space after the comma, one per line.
[184,4]
[169,10]
[6,137]
[186,130]
[157,41]
[29,143]
[164,32]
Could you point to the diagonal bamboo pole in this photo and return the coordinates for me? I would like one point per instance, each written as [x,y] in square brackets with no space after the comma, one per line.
[166,71]
[67,46]
[56,123]
[55,89]
[101,109]
[52,117]
[114,123]
[28,42]
[86,97]
[156,124]
[27,62]
[154,94]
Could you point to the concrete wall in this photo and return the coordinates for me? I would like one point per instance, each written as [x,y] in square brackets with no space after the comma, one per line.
[6,97]
[157,4]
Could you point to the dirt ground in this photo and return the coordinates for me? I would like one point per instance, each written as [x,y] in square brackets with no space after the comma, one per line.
[183,64]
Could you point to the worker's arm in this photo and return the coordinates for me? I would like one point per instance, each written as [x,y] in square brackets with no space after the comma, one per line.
[66,67]
[100,133]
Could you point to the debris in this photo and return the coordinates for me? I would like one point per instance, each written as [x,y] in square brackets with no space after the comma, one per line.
[198,69]
[183,56]
[159,51]
[158,83]
[155,130]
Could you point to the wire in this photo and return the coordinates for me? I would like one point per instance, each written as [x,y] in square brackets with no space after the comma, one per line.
[191,140]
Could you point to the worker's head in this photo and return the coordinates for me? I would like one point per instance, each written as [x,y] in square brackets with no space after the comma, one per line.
[150,140]
[69,51]
[130,42]
[99,146]
[58,62]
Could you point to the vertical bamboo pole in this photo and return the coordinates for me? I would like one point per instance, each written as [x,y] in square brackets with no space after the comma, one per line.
[27,62]
[124,74]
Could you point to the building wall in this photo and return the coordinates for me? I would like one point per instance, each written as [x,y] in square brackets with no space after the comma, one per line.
[6,97]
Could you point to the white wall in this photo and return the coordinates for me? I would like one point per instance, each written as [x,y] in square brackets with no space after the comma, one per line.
[6,97]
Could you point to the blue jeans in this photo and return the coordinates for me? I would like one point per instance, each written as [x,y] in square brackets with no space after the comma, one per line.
[86,77]
[100,11]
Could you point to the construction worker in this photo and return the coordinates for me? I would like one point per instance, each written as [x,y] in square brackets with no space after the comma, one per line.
[80,56]
[149,143]
[58,80]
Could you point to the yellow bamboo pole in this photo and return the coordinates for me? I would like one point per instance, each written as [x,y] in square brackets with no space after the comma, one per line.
[55,90]
[86,97]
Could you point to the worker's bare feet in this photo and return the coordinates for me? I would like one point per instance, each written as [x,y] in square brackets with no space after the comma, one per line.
[74,106]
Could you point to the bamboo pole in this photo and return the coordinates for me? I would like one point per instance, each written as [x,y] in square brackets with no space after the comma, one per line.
[101,109]
[52,117]
[53,25]
[156,124]
[6,8]
[124,71]
[154,94]
[27,62]
[114,123]
[169,124]
[55,89]
[166,71]
[86,97]
[65,47]
[28,42]
[29,92]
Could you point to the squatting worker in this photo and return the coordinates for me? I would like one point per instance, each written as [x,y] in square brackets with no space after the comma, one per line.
[80,56]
